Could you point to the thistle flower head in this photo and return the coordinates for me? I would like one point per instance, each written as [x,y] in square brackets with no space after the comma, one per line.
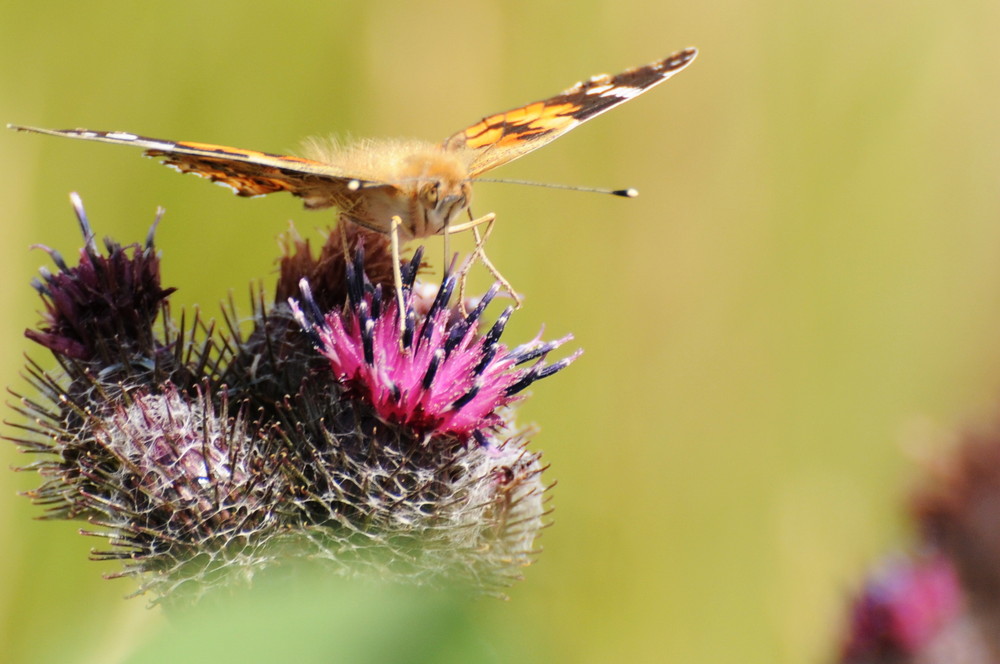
[187,494]
[943,604]
[431,368]
[902,608]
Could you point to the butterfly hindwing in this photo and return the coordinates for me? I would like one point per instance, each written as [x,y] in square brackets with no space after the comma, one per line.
[506,136]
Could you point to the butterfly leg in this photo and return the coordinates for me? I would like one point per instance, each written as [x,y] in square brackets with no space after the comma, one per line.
[463,271]
[467,264]
[480,253]
[447,248]
[461,228]
[342,227]
[397,273]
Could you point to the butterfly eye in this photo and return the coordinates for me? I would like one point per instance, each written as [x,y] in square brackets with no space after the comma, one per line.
[430,193]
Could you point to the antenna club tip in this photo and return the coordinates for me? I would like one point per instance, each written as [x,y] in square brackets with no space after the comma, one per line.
[626,193]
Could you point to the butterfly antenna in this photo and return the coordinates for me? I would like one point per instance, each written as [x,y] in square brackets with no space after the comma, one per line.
[624,193]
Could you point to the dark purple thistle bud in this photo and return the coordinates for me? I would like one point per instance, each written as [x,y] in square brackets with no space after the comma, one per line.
[103,309]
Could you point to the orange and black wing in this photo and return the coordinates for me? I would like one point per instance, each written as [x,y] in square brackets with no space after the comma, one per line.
[247,172]
[504,137]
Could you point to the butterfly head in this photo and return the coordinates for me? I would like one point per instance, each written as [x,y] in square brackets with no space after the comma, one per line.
[439,190]
[440,203]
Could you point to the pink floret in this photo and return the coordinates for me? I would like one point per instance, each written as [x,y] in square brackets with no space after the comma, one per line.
[441,378]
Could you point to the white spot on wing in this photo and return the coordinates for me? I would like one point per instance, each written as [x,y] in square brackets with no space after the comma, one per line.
[121,136]
[223,183]
[599,89]
[624,92]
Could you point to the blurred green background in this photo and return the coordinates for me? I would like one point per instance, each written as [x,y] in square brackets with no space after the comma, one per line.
[808,286]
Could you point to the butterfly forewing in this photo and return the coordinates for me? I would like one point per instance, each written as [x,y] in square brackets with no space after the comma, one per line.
[504,137]
[247,172]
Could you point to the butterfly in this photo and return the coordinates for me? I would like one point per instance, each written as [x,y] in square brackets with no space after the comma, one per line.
[410,189]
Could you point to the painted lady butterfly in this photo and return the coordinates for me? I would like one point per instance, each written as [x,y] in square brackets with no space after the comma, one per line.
[410,189]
